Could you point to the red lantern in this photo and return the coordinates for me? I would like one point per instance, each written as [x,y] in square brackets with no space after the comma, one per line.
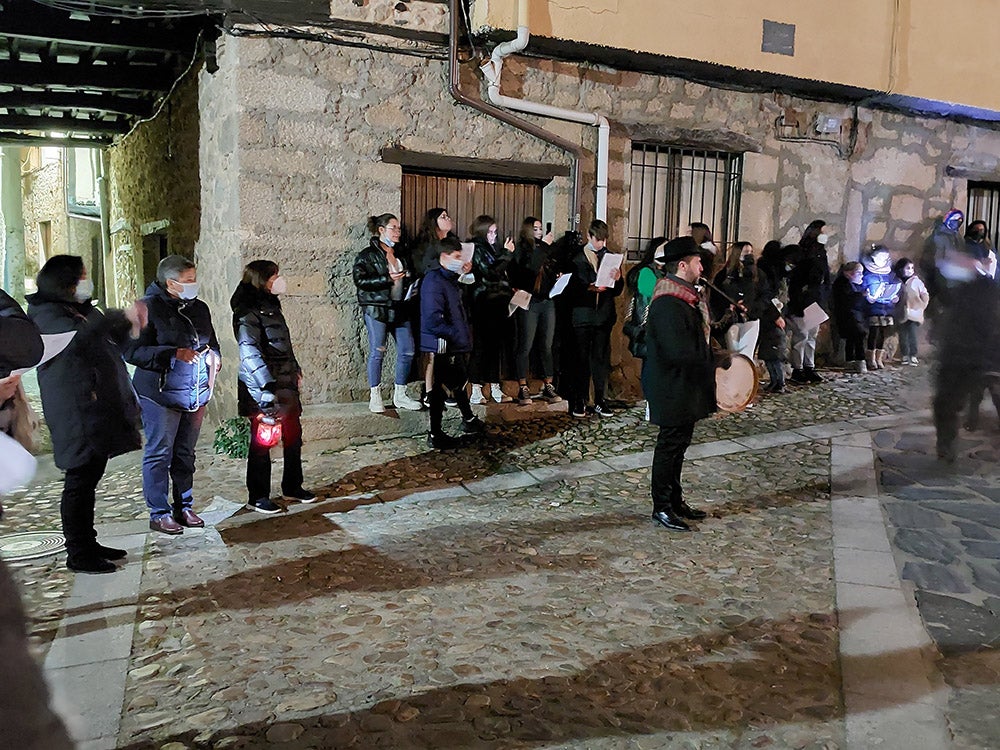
[268,431]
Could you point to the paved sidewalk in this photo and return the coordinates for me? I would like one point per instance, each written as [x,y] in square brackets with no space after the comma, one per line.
[516,594]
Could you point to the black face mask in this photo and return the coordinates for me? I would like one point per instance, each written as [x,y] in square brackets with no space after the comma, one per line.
[747,261]
[977,235]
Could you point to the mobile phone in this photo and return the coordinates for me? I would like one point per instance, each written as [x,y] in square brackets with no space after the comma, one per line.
[548,227]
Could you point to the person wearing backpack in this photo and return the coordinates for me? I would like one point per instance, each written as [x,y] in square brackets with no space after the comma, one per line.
[641,280]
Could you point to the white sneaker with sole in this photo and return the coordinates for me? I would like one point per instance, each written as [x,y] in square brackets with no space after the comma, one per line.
[375,401]
[401,401]
[477,396]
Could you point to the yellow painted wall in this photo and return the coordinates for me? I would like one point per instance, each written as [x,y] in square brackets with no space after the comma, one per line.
[847,41]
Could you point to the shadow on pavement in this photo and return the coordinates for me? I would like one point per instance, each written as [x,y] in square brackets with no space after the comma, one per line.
[759,674]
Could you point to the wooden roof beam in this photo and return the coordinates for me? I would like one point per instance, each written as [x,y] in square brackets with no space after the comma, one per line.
[96,77]
[67,100]
[20,139]
[63,124]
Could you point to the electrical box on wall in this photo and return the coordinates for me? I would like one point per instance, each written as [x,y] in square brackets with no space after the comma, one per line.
[827,124]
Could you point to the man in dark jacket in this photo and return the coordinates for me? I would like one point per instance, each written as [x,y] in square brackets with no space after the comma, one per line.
[445,333]
[593,317]
[177,358]
[808,283]
[679,377]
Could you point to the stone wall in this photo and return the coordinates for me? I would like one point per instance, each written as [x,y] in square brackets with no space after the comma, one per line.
[313,119]
[292,166]
[44,199]
[154,178]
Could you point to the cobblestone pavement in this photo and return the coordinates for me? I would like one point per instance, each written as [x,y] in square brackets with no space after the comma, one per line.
[437,601]
[945,529]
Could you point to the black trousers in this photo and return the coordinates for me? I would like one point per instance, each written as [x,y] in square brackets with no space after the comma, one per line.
[593,362]
[77,505]
[854,346]
[450,377]
[668,460]
[259,459]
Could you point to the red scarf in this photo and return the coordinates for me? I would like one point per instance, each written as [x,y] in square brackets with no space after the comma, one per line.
[672,286]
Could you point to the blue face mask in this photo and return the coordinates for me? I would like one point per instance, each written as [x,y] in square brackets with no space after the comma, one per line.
[386,241]
[453,264]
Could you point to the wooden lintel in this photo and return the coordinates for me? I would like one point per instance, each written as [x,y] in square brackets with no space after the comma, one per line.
[68,100]
[20,139]
[496,169]
[63,124]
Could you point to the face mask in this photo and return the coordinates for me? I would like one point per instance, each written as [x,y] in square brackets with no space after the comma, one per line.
[84,290]
[823,239]
[788,267]
[977,236]
[188,291]
[537,231]
[384,239]
[747,260]
[453,264]
[491,237]
[709,246]
[279,285]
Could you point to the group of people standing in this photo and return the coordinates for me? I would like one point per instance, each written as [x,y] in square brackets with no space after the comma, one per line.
[455,306]
[94,411]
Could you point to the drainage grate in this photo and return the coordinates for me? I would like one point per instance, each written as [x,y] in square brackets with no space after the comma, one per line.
[30,544]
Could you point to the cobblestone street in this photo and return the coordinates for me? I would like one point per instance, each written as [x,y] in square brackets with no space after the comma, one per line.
[514,593]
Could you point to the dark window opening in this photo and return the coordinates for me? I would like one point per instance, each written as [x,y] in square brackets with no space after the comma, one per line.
[674,186]
[984,205]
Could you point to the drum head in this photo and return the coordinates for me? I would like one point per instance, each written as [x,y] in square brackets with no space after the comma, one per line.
[736,387]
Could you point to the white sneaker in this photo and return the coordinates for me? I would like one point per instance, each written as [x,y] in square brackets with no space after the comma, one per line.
[498,395]
[477,395]
[375,401]
[914,361]
[401,401]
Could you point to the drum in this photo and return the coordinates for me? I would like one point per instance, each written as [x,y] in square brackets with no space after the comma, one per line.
[736,387]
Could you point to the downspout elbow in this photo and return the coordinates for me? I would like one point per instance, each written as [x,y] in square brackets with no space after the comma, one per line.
[514,46]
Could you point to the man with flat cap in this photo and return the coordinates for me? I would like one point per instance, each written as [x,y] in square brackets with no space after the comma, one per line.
[679,377]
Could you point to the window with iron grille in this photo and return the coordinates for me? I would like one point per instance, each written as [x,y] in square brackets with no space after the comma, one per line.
[984,205]
[673,187]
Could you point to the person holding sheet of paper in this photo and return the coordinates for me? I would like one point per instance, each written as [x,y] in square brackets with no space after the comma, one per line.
[89,404]
[881,295]
[593,317]
[535,270]
[808,284]
[489,295]
[383,274]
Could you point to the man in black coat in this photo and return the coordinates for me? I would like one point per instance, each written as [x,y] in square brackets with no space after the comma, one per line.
[679,377]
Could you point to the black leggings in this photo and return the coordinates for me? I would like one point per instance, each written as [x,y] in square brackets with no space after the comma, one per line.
[876,336]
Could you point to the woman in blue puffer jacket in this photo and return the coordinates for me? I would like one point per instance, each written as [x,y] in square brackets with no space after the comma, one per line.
[177,358]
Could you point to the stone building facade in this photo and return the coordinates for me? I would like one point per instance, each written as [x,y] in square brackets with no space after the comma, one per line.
[290,134]
[288,167]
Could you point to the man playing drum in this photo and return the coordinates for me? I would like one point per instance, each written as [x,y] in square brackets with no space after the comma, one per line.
[679,377]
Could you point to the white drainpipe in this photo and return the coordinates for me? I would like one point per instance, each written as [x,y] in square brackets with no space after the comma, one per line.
[491,70]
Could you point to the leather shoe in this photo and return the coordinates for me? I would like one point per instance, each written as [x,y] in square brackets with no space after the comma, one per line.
[669,519]
[188,517]
[109,553]
[684,510]
[166,525]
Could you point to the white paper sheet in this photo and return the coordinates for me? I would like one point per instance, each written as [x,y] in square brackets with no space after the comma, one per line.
[520,299]
[813,316]
[610,263]
[560,286]
[54,343]
[468,250]
[742,337]
[17,466]
[411,291]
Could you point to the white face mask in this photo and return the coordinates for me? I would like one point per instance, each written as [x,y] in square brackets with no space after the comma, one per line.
[491,237]
[84,290]
[709,246]
[187,291]
[386,241]
[823,239]
[279,285]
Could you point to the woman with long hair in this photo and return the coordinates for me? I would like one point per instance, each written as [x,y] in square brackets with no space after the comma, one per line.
[88,401]
[269,382]
[490,294]
[383,275]
[534,269]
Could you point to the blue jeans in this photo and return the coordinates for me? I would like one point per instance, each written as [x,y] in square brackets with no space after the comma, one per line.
[378,334]
[171,436]
[908,338]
